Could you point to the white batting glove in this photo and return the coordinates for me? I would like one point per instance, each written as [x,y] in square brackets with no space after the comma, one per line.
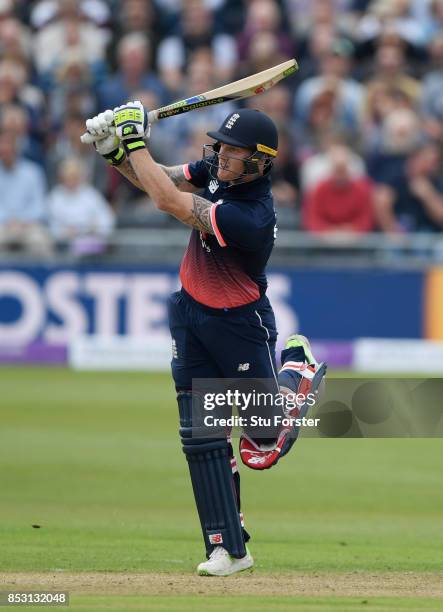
[104,136]
[132,127]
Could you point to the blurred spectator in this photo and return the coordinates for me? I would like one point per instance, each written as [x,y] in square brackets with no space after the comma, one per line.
[197,139]
[277,103]
[134,72]
[16,90]
[6,9]
[305,13]
[285,183]
[412,201]
[432,95]
[335,70]
[14,119]
[396,15]
[389,89]
[340,203]
[367,67]
[400,135]
[78,213]
[22,208]
[196,30]
[316,26]
[145,16]
[15,87]
[264,52]
[67,145]
[322,123]
[389,70]
[432,17]
[319,167]
[15,41]
[178,130]
[264,21]
[72,89]
[382,100]
[46,11]
[69,31]
[313,49]
[136,16]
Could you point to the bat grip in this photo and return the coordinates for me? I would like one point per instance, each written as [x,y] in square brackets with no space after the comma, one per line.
[152,117]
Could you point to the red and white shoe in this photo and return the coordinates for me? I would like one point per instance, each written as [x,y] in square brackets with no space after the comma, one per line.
[259,456]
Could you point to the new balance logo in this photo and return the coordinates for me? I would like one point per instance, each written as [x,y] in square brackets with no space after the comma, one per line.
[256,460]
[243,367]
[231,121]
[215,538]
[213,186]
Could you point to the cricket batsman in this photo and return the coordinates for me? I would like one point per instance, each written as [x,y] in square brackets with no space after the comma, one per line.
[221,321]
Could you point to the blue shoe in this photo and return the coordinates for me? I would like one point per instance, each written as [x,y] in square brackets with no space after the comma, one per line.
[301,375]
[298,363]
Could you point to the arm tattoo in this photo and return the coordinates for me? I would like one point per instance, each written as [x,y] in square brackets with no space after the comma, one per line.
[177,176]
[200,216]
[128,172]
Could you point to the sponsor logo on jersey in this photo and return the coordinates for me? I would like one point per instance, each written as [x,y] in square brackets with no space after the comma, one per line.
[213,186]
[205,245]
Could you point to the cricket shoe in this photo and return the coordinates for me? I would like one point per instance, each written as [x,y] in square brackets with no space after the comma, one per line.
[300,379]
[300,374]
[220,563]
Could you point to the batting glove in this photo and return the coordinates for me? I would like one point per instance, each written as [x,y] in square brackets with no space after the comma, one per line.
[106,142]
[131,125]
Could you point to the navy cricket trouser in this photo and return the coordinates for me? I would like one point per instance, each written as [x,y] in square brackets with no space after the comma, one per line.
[221,343]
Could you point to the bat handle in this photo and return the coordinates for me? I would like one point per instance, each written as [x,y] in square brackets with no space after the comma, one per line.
[152,117]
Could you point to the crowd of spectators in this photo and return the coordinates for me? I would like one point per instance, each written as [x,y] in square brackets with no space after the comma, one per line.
[361,124]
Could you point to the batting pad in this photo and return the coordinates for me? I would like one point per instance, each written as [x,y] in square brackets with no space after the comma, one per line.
[214,491]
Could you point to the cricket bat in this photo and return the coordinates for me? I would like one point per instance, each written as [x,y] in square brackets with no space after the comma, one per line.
[244,88]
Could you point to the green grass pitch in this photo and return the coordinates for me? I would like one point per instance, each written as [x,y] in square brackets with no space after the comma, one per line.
[94,460]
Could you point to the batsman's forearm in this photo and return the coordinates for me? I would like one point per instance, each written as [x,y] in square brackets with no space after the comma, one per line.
[127,171]
[154,180]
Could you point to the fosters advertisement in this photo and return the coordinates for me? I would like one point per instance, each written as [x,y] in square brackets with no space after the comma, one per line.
[55,304]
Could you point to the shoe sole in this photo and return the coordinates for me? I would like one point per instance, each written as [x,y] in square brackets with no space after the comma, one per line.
[315,387]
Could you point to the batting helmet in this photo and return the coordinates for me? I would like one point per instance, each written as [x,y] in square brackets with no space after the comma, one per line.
[247,128]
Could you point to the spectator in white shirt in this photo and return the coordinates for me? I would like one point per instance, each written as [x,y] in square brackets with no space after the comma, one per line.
[78,213]
[69,31]
[22,199]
